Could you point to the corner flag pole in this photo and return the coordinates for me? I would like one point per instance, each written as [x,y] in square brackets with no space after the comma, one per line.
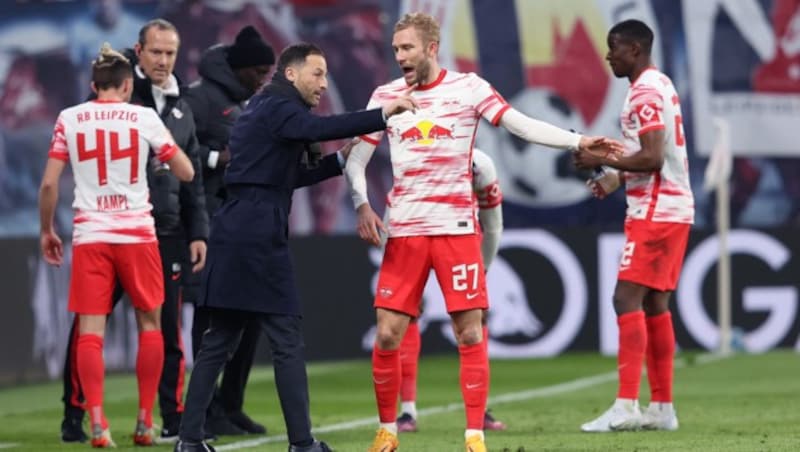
[717,178]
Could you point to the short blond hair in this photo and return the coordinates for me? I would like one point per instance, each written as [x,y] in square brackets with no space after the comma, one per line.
[425,24]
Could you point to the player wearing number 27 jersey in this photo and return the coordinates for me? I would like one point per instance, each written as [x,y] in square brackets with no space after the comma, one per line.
[107,142]
[432,215]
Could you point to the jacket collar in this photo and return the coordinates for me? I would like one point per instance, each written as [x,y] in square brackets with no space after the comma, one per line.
[172,88]
[215,68]
[281,86]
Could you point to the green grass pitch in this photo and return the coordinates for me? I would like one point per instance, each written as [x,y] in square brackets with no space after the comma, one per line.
[737,403]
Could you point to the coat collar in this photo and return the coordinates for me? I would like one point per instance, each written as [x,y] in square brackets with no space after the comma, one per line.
[281,86]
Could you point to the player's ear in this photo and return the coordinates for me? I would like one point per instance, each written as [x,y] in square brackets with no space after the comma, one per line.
[127,86]
[290,72]
[636,48]
[137,48]
[94,88]
[433,48]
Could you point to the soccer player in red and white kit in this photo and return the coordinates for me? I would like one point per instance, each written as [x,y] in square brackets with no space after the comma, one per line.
[432,221]
[106,142]
[654,169]
[490,217]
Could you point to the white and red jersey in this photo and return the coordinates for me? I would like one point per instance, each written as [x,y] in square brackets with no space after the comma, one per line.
[431,152]
[107,145]
[666,195]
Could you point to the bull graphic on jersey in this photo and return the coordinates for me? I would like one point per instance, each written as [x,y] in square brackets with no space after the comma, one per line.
[426,132]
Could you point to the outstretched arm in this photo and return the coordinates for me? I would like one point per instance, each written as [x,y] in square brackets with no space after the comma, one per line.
[539,132]
[649,158]
[544,133]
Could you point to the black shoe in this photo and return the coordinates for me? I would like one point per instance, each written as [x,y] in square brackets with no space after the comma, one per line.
[169,429]
[188,446]
[72,430]
[222,426]
[316,446]
[244,422]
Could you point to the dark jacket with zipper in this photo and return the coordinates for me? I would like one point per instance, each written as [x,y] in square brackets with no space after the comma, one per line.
[217,100]
[178,207]
[249,267]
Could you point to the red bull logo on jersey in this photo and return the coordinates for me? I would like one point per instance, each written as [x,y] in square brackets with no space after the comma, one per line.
[426,132]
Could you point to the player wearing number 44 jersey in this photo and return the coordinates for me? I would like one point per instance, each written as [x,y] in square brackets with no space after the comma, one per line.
[432,220]
[107,142]
[660,212]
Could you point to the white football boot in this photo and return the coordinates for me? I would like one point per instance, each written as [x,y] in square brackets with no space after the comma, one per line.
[623,415]
[660,416]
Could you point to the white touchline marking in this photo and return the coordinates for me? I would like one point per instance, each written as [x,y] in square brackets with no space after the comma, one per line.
[545,391]
[8,445]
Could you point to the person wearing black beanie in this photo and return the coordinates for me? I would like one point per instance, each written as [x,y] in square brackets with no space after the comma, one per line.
[249,50]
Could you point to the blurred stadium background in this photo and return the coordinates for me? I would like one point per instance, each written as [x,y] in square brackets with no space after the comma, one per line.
[550,288]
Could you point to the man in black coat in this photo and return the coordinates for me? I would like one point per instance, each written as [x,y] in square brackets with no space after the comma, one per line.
[249,273]
[231,74]
[180,219]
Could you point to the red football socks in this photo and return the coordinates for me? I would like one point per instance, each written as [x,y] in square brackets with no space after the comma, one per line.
[386,380]
[149,364]
[91,371]
[474,376]
[632,345]
[660,355]
[409,363]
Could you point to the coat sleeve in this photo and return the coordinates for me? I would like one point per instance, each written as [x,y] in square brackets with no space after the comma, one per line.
[293,122]
[192,195]
[328,167]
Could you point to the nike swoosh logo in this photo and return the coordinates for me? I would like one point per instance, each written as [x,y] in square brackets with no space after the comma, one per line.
[227,111]
[470,296]
[380,382]
[175,276]
[473,385]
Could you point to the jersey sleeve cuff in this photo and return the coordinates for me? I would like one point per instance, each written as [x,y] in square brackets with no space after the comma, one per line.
[644,130]
[58,156]
[499,114]
[369,140]
[167,152]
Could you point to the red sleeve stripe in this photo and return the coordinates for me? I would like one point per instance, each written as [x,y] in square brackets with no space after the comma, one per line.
[490,203]
[486,103]
[651,128]
[369,140]
[499,114]
[167,152]
[54,154]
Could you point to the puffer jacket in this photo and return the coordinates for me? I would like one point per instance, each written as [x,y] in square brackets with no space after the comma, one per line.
[216,100]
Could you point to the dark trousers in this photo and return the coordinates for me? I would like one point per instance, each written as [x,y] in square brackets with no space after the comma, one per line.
[230,396]
[219,343]
[170,388]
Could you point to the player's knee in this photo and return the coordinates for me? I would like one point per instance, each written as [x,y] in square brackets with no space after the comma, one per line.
[470,336]
[149,321]
[624,303]
[387,338]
